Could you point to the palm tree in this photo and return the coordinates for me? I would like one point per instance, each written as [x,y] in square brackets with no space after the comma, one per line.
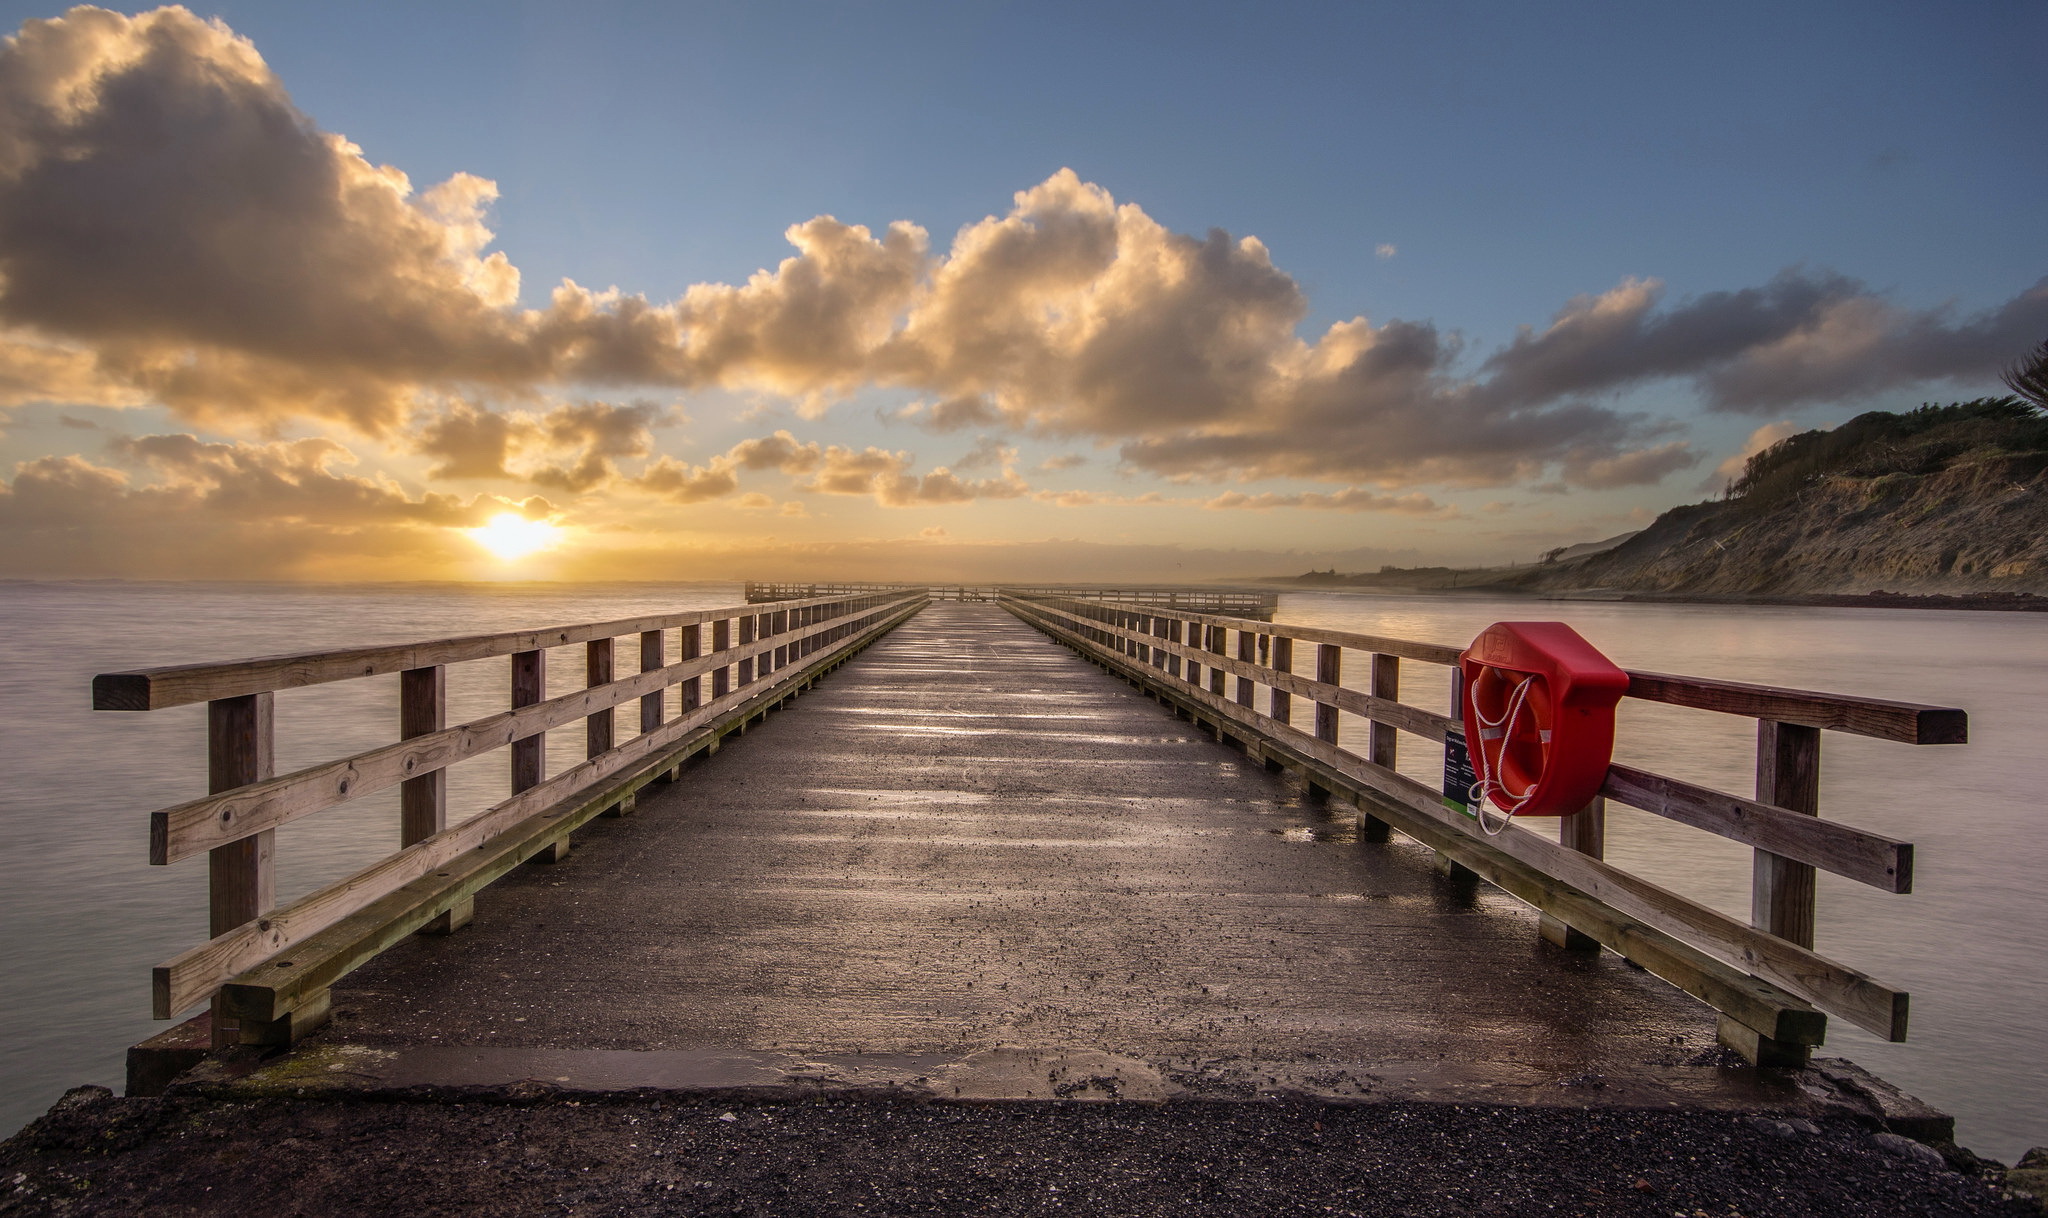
[2029,376]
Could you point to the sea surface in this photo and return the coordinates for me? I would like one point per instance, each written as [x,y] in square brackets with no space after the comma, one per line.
[83,916]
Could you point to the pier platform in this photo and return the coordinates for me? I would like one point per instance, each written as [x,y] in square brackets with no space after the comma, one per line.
[971,865]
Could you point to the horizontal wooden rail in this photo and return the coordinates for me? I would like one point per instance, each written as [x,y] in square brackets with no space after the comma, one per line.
[203,824]
[1902,722]
[1139,642]
[146,689]
[193,975]
[1852,853]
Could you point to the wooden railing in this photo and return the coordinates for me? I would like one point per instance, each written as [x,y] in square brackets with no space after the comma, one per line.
[268,969]
[1762,976]
[1232,602]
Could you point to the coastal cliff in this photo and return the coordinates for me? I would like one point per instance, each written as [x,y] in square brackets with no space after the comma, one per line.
[1941,500]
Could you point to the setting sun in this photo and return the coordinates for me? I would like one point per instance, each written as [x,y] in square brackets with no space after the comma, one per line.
[510,535]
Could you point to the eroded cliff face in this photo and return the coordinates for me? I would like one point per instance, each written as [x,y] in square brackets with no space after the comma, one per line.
[1979,525]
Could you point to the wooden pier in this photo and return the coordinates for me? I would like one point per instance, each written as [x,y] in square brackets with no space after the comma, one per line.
[1257,603]
[969,865]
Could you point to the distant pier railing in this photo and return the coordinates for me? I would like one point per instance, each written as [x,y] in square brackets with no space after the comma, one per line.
[1771,988]
[267,970]
[1229,602]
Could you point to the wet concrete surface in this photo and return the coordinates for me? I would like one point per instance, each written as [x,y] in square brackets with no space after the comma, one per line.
[968,840]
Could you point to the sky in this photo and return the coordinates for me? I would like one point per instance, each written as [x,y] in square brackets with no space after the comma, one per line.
[974,291]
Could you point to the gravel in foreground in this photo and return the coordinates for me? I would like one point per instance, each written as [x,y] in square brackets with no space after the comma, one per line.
[97,1154]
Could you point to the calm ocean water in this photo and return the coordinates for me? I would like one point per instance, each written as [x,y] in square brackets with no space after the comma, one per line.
[83,916]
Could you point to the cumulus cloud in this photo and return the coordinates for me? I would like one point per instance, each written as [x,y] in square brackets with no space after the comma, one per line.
[1604,471]
[1806,336]
[572,447]
[1098,499]
[988,452]
[198,509]
[827,470]
[1350,499]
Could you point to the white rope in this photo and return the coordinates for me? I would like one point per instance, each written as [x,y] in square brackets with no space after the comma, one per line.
[1489,781]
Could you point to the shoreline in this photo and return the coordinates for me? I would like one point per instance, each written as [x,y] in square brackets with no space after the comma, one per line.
[1997,602]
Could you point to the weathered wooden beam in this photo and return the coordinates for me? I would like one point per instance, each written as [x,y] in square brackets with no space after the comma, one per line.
[721,677]
[1788,777]
[1905,722]
[529,687]
[1278,704]
[1856,854]
[1383,737]
[1330,673]
[241,748]
[598,726]
[422,711]
[653,658]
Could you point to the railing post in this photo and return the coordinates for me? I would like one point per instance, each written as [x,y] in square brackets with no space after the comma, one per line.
[529,756]
[600,730]
[597,670]
[1329,671]
[1248,652]
[1283,661]
[241,748]
[1382,740]
[721,677]
[692,647]
[653,655]
[1781,893]
[422,708]
[423,800]
[1586,832]
[1216,634]
[1788,776]
[748,624]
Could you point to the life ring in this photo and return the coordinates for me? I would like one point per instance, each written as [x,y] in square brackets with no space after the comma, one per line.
[1538,706]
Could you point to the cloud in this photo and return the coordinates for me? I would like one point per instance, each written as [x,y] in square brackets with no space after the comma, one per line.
[1804,337]
[163,201]
[988,452]
[211,510]
[1350,499]
[958,413]
[1384,251]
[681,483]
[572,447]
[1095,499]
[833,470]
[174,229]
[1063,461]
[886,475]
[1605,471]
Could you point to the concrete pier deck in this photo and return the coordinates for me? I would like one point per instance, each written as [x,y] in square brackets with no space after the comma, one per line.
[971,864]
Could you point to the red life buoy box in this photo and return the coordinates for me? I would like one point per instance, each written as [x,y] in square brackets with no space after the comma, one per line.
[1538,707]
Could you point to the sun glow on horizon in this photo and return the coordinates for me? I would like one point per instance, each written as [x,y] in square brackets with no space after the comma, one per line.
[509,535]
